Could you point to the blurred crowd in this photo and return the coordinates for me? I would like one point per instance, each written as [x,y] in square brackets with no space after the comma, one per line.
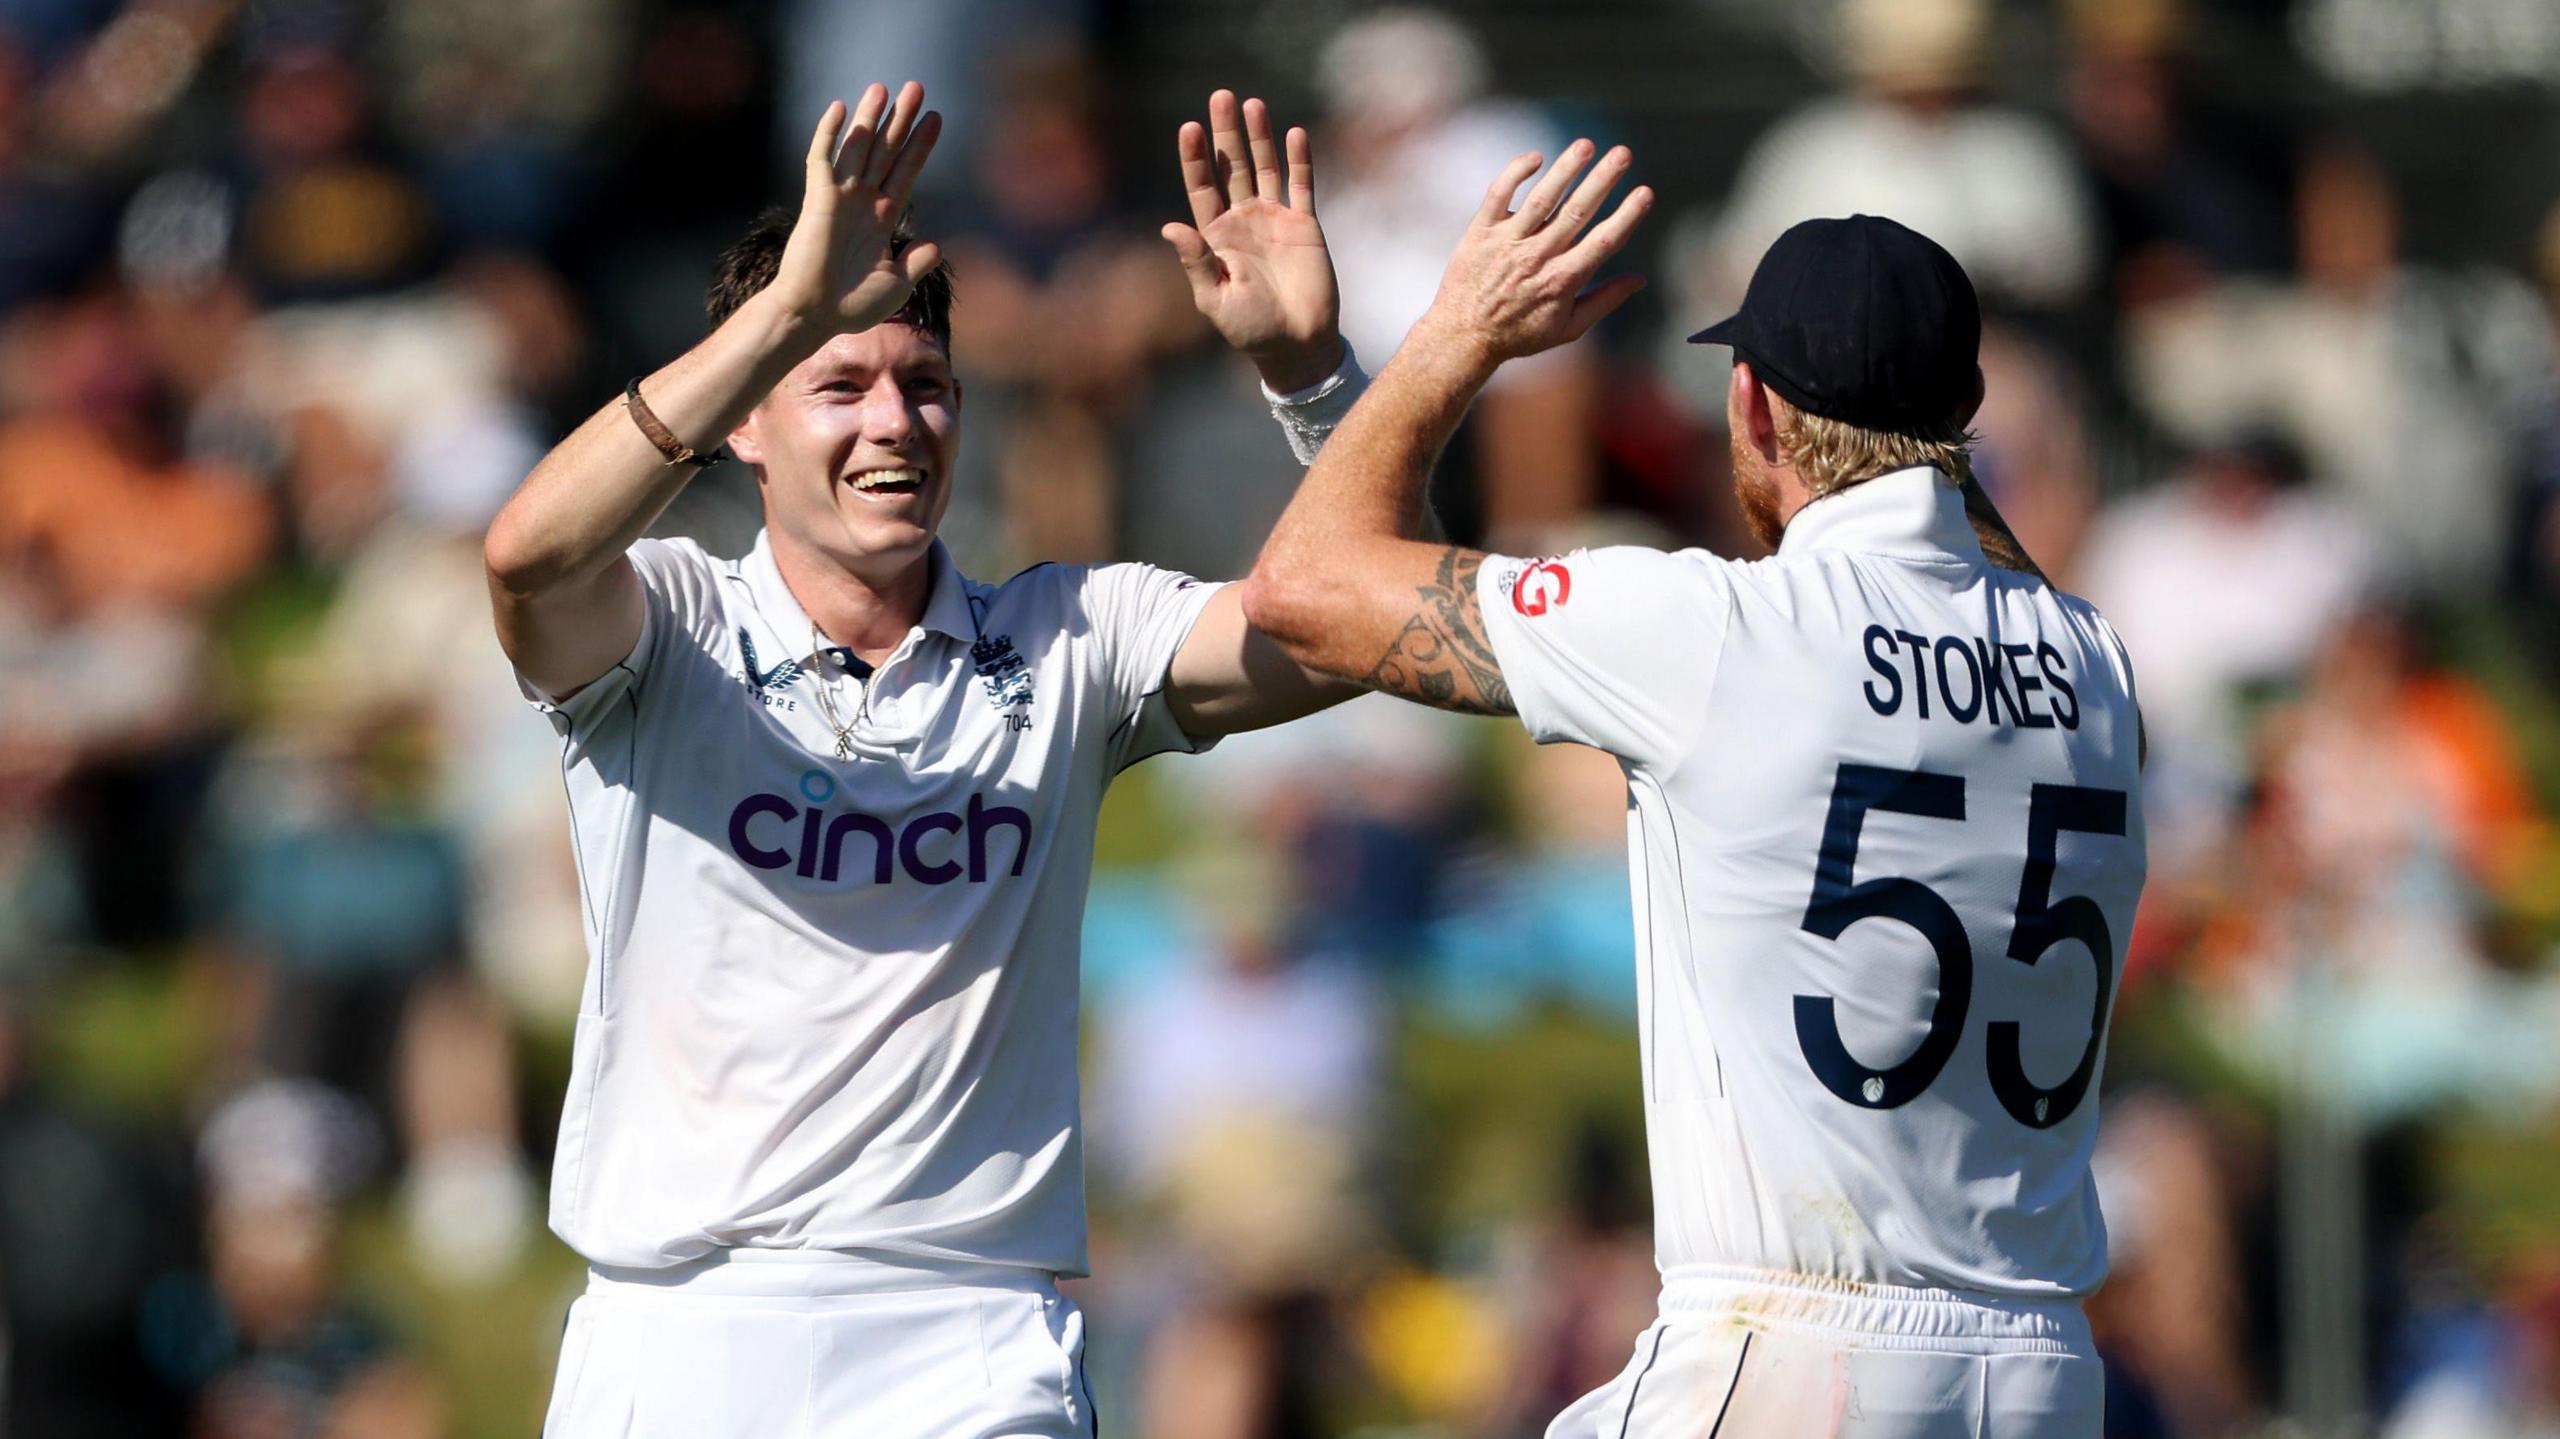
[293,292]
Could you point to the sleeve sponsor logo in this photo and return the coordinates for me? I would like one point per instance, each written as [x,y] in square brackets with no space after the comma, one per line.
[1541,587]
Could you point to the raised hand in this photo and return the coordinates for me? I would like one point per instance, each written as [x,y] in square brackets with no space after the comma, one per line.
[840,271]
[1254,253]
[1520,280]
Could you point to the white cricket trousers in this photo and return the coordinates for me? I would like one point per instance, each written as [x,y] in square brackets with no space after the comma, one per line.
[784,1344]
[1751,1354]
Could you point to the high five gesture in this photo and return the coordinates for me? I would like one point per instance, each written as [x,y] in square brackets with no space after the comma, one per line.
[1342,585]
[842,270]
[1521,279]
[568,603]
[1254,254]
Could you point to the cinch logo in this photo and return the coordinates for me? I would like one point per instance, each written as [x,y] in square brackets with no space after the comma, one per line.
[819,846]
[1540,587]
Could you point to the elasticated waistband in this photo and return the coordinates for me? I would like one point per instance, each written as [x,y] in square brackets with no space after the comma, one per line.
[1875,1315]
[807,1274]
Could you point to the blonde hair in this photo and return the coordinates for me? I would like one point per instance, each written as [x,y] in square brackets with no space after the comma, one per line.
[1831,455]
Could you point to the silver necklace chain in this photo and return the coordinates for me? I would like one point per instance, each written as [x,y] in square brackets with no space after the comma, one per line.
[825,654]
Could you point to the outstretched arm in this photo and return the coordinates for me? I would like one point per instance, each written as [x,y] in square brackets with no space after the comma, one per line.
[1340,585]
[567,600]
[1258,267]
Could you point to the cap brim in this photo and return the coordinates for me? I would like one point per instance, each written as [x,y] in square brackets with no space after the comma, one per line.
[1722,332]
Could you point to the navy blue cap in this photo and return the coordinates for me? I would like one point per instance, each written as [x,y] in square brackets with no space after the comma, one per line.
[1861,320]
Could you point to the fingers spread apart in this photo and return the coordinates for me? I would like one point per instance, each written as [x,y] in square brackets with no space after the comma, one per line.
[1200,174]
[1594,304]
[822,143]
[1234,160]
[1540,205]
[902,119]
[850,160]
[844,157]
[1610,235]
[901,181]
[1587,197]
[1266,153]
[1199,263]
[1497,198]
[1235,156]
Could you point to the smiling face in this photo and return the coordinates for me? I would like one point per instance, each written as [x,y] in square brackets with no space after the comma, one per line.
[854,450]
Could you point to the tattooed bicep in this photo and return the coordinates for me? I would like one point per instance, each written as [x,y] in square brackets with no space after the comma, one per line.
[1441,656]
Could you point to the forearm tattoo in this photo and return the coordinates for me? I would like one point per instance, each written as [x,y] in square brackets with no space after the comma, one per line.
[1441,656]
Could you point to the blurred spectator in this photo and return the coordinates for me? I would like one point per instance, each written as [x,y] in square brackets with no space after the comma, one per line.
[324,213]
[1205,472]
[416,592]
[468,1198]
[1588,1284]
[1547,915]
[107,74]
[86,1225]
[701,105]
[497,95]
[1071,304]
[2223,584]
[2389,753]
[956,48]
[1918,139]
[2402,384]
[2491,1375]
[1260,1036]
[2534,551]
[321,875]
[51,221]
[286,1353]
[1412,135]
[2390,817]
[1368,804]
[97,506]
[2172,1319]
[2032,449]
[2183,194]
[346,919]
[114,549]
[1241,1099]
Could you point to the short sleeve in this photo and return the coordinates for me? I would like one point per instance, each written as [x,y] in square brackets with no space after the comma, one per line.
[1614,648]
[676,587]
[1141,615]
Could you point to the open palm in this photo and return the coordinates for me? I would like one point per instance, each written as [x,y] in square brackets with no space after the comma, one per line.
[1256,256]
[843,265]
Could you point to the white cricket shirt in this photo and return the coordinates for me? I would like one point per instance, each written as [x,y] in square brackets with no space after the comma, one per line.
[1885,832]
[831,1003]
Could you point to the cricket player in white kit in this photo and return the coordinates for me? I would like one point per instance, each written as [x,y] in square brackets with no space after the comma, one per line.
[834,808]
[1884,823]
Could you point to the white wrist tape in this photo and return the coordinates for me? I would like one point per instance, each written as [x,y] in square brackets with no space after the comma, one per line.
[1307,416]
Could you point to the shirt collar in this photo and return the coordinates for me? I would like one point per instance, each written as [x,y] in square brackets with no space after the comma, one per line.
[777,614]
[1916,513]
